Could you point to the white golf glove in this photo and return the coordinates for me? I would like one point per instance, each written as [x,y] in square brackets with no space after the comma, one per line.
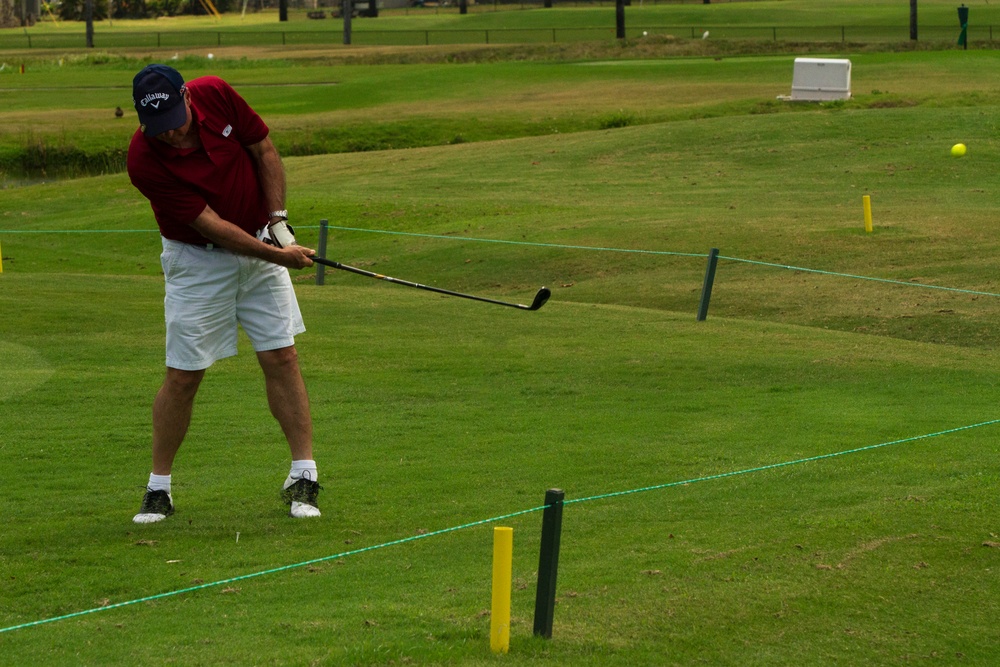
[281,233]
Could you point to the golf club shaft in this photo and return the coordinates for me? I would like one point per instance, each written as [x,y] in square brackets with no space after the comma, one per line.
[379,276]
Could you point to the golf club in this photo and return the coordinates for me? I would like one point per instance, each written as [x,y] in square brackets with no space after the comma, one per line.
[539,300]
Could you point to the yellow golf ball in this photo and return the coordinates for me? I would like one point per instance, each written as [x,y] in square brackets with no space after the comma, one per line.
[958,150]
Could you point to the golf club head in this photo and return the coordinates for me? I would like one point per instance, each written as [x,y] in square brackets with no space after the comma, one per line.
[540,298]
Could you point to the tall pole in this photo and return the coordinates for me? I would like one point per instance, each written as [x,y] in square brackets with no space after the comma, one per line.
[963,20]
[706,290]
[913,20]
[88,11]
[347,8]
[548,563]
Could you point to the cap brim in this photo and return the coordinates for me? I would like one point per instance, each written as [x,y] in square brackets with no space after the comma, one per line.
[168,120]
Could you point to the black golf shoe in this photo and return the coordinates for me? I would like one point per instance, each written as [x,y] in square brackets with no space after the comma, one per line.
[156,506]
[302,495]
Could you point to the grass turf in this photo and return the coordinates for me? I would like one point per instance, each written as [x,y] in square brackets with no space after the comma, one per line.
[423,432]
[434,412]
[433,415]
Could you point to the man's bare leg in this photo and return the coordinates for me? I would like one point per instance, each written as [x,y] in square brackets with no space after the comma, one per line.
[287,398]
[172,409]
[289,403]
[172,415]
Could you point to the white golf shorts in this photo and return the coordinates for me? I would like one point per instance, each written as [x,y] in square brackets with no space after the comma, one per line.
[210,291]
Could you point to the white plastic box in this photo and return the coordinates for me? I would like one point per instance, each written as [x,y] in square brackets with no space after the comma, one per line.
[819,79]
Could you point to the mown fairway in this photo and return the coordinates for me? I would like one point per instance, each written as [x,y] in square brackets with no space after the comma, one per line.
[434,412]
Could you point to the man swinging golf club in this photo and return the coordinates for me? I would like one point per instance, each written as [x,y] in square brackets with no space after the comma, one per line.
[215,182]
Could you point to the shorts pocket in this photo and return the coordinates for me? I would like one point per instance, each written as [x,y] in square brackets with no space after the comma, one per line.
[168,259]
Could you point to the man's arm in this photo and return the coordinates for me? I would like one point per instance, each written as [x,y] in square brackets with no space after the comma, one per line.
[271,173]
[231,237]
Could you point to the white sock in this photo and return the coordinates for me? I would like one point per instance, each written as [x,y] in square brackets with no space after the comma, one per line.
[304,469]
[159,483]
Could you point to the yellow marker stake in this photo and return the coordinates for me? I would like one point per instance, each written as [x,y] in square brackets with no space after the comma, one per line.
[868,213]
[503,551]
[1,260]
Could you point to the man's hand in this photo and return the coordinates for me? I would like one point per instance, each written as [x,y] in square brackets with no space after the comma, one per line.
[295,257]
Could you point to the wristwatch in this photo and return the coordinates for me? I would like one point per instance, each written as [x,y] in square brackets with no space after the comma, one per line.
[278,214]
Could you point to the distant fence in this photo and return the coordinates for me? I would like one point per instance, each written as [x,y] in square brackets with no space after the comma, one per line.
[364,35]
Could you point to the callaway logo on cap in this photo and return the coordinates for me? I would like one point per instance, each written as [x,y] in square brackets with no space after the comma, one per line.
[158,95]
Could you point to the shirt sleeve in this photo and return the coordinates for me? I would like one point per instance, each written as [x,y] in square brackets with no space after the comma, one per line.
[248,127]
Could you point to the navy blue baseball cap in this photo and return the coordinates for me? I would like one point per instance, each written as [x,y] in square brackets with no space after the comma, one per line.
[158,95]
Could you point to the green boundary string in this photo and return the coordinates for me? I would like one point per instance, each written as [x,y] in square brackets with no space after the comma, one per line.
[443,531]
[254,575]
[545,245]
[849,275]
[660,252]
[784,464]
[526,243]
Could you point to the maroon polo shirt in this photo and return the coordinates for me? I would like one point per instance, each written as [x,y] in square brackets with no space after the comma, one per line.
[179,183]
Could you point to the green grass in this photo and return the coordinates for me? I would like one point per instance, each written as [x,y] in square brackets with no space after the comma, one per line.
[676,186]
[344,108]
[422,433]
[510,404]
[423,96]
[434,412]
